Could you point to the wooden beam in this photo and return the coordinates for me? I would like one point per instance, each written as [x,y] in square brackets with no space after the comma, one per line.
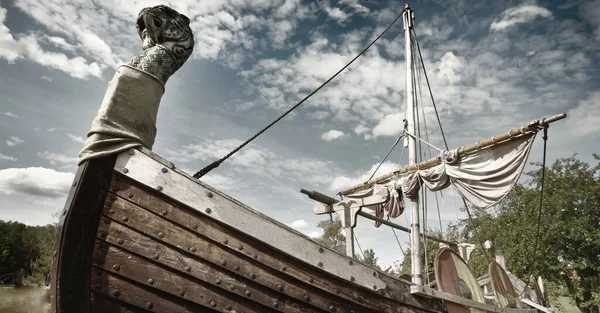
[498,139]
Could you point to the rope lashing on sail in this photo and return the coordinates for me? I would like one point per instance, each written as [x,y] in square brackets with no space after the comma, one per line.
[540,209]
[216,164]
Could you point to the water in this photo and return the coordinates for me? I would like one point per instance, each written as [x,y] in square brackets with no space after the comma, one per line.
[23,300]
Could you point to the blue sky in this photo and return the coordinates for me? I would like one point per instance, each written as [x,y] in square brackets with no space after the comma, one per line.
[493,65]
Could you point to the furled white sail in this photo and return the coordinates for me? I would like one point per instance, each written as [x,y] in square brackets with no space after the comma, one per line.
[482,177]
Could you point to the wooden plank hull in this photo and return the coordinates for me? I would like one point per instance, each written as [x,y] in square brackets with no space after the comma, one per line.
[128,245]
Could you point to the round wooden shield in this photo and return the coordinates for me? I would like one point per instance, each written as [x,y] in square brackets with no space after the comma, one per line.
[454,276]
[503,288]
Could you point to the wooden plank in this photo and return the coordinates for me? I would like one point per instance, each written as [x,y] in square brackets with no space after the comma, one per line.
[75,236]
[198,196]
[537,306]
[232,240]
[122,290]
[436,294]
[240,275]
[103,304]
[214,284]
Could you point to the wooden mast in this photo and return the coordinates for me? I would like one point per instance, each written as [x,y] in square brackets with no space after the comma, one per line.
[408,18]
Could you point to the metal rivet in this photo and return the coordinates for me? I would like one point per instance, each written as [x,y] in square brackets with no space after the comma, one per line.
[160,234]
[193,249]
[116,267]
[209,194]
[374,274]
[163,212]
[283,268]
[306,298]
[232,287]
[350,262]
[321,250]
[374,287]
[111,211]
[120,241]
[195,226]
[280,287]
[208,210]
[116,293]
[255,256]
[155,256]
[351,278]
[181,292]
[331,307]
[336,290]
[213,304]
[252,275]
[223,262]
[150,281]
[240,247]
[130,196]
[225,241]
[148,305]
[320,264]
[74,183]
[159,188]
[125,170]
[188,268]
[164,170]
[104,234]
[228,307]
[125,219]
[310,280]
[112,197]
[218,281]
[248,293]
[275,304]
[236,267]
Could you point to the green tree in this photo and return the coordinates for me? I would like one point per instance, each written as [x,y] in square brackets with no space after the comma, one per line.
[332,237]
[568,250]
[369,258]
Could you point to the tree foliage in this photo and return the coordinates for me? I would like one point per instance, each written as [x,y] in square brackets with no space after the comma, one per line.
[25,252]
[332,237]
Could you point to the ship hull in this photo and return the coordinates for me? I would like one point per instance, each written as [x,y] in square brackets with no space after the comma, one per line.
[138,235]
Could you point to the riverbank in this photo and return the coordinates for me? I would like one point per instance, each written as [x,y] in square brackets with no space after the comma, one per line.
[24,299]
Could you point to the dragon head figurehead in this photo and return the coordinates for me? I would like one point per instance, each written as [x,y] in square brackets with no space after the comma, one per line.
[167,41]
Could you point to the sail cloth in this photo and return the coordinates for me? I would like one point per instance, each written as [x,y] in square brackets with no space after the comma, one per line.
[127,116]
[483,177]
[392,208]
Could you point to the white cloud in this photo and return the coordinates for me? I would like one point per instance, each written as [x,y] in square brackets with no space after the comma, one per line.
[13,141]
[315,234]
[336,14]
[590,11]
[340,182]
[390,125]
[585,118]
[10,114]
[36,181]
[54,158]
[46,78]
[7,158]
[524,13]
[298,224]
[76,139]
[332,135]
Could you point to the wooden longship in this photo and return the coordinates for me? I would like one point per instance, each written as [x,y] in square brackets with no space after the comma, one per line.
[138,235]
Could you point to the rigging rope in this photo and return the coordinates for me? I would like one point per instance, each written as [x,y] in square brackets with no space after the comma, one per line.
[388,154]
[358,244]
[430,92]
[215,164]
[540,208]
[487,260]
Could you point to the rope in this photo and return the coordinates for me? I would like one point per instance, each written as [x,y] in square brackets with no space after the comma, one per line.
[358,244]
[539,219]
[430,92]
[487,260]
[387,155]
[215,164]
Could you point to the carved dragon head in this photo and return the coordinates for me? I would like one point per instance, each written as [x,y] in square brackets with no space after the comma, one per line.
[165,27]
